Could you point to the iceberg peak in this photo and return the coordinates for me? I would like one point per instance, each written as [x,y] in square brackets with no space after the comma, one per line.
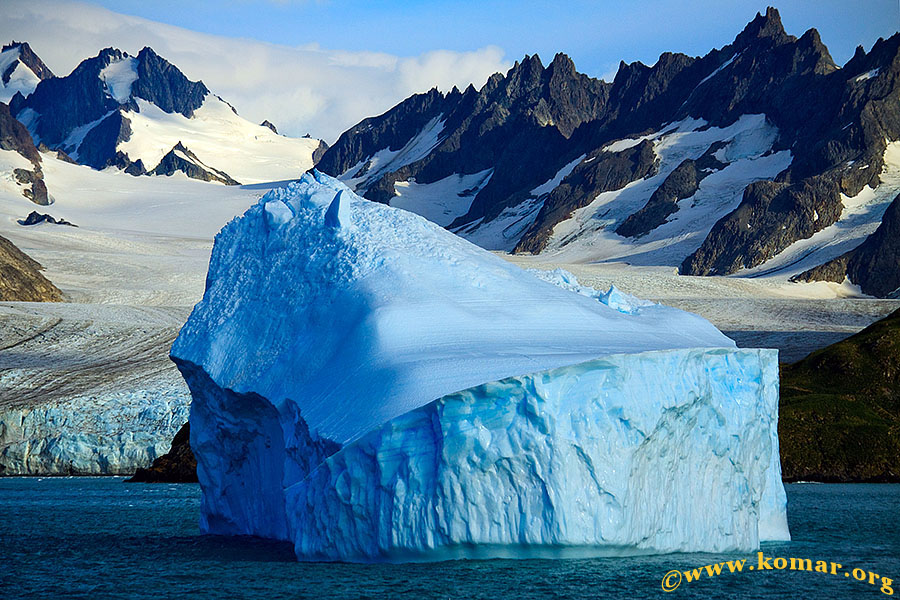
[338,213]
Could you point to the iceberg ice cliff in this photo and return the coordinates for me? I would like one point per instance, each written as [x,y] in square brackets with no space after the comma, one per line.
[369,386]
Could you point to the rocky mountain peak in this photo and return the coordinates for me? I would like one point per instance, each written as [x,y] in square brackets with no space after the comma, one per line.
[764,27]
[819,58]
[562,64]
[163,84]
[526,74]
[28,58]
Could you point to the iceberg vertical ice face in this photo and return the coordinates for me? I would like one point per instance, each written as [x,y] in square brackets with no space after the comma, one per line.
[372,387]
[628,453]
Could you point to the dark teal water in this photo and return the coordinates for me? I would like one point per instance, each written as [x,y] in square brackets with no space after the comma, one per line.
[102,538]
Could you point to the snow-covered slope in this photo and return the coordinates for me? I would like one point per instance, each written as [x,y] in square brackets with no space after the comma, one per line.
[371,386]
[220,138]
[746,155]
[860,216]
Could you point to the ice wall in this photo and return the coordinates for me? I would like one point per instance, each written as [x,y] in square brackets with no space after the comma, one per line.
[652,452]
[326,362]
[111,434]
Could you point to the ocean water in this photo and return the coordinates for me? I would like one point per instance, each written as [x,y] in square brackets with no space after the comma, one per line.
[103,538]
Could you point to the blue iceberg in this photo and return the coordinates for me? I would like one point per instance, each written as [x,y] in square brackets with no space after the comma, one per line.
[371,387]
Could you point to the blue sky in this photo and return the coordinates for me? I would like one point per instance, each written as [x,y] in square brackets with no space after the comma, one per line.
[597,34]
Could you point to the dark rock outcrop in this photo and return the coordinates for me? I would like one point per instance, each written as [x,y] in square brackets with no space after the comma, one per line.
[319,152]
[161,83]
[270,125]
[44,148]
[179,158]
[874,265]
[14,136]
[33,183]
[21,279]
[35,217]
[840,409]
[98,148]
[176,466]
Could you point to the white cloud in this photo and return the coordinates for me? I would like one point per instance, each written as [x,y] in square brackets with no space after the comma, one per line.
[300,89]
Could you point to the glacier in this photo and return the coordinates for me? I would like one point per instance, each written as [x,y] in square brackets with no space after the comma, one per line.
[112,433]
[369,386]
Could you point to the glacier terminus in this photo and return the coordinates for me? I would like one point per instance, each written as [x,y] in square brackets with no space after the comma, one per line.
[371,387]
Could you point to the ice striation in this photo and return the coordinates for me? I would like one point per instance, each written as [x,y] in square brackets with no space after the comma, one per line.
[369,386]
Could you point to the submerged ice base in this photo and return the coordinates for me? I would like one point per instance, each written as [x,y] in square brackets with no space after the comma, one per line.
[370,387]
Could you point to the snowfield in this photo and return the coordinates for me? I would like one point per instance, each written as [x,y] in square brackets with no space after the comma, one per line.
[373,387]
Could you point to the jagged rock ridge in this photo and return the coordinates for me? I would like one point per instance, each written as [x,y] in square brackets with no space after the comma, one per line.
[20,70]
[537,127]
[28,58]
[179,158]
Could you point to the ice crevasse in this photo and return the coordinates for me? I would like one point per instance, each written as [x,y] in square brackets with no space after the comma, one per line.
[370,387]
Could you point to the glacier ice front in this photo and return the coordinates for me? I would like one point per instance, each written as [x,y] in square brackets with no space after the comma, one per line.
[371,387]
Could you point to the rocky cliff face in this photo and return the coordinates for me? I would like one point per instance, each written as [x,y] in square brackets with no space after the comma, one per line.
[178,465]
[540,135]
[26,57]
[20,70]
[21,279]
[13,136]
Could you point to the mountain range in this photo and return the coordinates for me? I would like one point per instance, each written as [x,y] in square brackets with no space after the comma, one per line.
[762,156]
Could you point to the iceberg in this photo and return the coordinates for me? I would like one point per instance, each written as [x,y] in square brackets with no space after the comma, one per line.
[371,387]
